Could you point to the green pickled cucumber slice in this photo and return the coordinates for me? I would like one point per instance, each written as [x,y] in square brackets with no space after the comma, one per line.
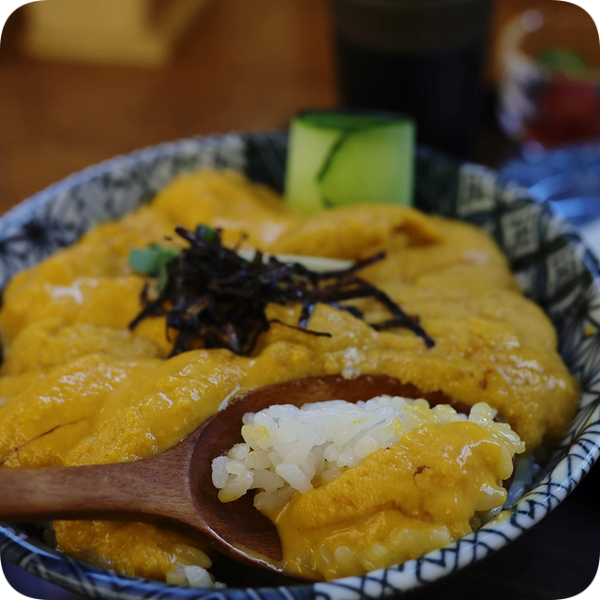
[343,158]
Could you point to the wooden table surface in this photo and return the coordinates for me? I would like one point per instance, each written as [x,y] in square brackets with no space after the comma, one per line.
[245,65]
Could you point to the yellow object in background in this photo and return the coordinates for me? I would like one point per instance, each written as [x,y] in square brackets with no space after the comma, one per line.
[140,32]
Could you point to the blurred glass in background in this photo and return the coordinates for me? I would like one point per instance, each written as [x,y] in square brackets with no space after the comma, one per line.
[550,84]
[421,57]
[549,103]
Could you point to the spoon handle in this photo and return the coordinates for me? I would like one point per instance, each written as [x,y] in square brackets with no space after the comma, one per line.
[139,490]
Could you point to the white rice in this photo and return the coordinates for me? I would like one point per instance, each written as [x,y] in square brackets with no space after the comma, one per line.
[190,568]
[289,449]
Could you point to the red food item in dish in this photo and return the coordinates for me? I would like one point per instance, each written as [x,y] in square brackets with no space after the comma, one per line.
[568,110]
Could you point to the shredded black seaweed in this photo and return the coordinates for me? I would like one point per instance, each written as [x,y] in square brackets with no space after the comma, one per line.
[214,298]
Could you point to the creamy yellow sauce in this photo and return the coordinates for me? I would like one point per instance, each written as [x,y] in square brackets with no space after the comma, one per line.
[403,501]
[426,479]
[77,387]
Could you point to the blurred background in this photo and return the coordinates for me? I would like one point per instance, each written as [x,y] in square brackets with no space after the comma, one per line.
[84,80]
[514,84]
[68,99]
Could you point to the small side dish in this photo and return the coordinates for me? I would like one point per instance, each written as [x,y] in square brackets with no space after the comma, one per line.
[337,159]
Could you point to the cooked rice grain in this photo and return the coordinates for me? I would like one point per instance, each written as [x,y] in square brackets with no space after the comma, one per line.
[289,449]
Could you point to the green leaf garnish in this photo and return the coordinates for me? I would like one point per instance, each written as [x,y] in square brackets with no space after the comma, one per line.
[206,233]
[153,262]
[563,60]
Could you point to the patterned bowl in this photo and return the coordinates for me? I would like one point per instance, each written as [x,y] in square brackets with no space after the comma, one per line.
[550,262]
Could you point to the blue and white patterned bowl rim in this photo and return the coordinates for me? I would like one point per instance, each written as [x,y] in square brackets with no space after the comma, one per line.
[551,263]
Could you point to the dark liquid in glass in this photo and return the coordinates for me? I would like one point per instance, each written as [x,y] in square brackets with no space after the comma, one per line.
[442,90]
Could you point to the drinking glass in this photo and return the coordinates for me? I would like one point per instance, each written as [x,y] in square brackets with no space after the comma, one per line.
[420,57]
[550,84]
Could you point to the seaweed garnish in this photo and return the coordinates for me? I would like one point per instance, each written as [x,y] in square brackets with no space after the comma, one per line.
[214,298]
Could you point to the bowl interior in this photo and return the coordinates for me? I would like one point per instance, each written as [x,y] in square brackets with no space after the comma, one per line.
[549,260]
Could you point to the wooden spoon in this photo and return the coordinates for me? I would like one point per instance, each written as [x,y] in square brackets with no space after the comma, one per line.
[176,486]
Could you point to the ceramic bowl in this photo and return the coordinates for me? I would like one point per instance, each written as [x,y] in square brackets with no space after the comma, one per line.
[549,260]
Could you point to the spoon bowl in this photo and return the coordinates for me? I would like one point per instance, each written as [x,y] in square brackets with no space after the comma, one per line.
[176,486]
